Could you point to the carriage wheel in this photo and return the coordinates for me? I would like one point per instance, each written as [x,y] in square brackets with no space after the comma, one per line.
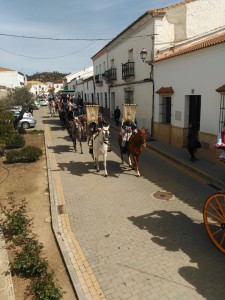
[214,219]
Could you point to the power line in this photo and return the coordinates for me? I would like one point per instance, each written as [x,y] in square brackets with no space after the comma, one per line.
[49,38]
[16,54]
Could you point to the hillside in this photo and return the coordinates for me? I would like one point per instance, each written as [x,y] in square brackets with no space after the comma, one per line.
[47,76]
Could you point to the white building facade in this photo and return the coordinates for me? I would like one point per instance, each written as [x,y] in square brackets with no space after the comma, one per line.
[128,79]
[187,80]
[82,83]
[11,78]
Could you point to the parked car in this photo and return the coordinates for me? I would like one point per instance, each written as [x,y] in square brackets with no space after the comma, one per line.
[26,114]
[44,102]
[27,122]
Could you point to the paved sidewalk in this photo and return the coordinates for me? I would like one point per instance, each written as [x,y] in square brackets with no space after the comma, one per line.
[212,173]
[6,285]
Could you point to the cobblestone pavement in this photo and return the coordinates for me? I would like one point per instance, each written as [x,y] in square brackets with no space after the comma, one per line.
[123,242]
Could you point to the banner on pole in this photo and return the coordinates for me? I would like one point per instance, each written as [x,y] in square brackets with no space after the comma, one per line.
[129,112]
[92,113]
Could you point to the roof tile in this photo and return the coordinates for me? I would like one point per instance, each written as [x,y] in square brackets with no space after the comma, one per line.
[203,43]
[165,90]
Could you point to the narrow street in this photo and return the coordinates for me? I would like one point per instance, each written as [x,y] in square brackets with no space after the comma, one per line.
[139,238]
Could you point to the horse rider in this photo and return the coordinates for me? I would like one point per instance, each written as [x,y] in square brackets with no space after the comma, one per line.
[128,129]
[93,129]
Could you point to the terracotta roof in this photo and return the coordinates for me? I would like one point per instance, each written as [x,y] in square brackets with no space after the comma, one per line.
[153,12]
[221,89]
[171,6]
[5,69]
[214,39]
[165,90]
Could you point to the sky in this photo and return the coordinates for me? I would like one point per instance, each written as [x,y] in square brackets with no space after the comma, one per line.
[62,36]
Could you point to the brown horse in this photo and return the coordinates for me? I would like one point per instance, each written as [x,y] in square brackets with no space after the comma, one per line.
[134,147]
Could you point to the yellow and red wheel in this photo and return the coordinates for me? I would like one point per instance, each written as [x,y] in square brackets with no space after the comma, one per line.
[214,219]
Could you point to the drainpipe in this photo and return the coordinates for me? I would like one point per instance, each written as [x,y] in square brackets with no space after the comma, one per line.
[153,83]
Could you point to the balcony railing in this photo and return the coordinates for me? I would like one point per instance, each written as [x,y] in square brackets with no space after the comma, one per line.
[98,78]
[127,70]
[110,75]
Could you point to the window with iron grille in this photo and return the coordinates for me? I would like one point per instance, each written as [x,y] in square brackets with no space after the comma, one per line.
[106,105]
[129,97]
[98,98]
[165,110]
[127,70]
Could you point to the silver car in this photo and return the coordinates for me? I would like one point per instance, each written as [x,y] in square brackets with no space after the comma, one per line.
[27,122]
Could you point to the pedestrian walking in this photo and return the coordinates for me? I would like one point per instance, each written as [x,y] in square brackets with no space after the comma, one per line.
[192,138]
[117,114]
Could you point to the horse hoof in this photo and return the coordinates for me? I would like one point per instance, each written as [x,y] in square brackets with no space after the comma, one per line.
[138,175]
[98,170]
[106,175]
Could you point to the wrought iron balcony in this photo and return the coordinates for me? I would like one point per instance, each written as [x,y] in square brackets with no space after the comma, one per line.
[110,75]
[128,70]
[98,78]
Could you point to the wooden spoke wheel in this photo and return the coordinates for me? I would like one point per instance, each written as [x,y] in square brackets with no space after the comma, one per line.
[214,219]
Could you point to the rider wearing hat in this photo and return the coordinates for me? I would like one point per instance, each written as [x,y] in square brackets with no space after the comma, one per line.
[127,130]
[93,129]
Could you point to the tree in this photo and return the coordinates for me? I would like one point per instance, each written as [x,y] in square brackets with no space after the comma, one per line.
[19,96]
[6,124]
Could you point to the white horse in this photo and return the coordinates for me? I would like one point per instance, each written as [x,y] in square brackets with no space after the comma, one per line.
[100,147]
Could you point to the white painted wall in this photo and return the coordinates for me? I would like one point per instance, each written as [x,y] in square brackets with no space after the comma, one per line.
[100,65]
[187,21]
[203,71]
[135,38]
[12,79]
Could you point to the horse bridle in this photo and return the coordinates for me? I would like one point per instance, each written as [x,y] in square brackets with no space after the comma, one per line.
[105,139]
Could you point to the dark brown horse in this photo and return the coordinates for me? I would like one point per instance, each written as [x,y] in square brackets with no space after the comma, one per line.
[75,130]
[134,147]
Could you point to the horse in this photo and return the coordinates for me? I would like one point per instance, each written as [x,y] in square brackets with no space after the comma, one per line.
[83,120]
[134,147]
[101,146]
[76,133]
[52,108]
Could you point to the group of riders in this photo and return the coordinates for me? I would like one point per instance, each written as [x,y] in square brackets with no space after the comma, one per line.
[70,112]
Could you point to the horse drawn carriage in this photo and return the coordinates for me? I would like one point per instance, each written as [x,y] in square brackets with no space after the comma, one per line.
[214,208]
[214,219]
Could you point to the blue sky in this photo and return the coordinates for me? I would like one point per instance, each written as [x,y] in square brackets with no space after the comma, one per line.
[67,19]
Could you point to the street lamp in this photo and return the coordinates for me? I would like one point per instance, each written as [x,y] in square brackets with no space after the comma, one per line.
[143,54]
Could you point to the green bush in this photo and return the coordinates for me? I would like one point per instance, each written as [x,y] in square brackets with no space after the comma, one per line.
[13,156]
[45,288]
[28,262]
[36,131]
[2,149]
[15,141]
[17,222]
[21,130]
[30,153]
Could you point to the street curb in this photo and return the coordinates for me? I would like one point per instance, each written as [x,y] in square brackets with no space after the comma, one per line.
[190,168]
[72,274]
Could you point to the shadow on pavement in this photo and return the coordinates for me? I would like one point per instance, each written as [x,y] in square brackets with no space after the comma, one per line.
[174,231]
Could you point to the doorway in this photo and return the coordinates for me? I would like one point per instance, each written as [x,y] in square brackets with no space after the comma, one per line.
[112,104]
[195,109]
